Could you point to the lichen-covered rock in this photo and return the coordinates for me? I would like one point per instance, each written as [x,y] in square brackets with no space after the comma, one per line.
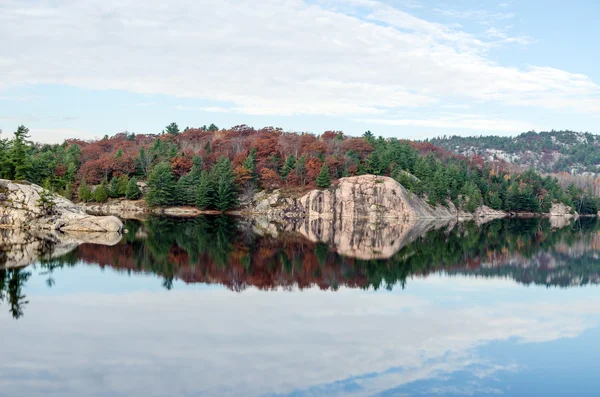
[367,197]
[21,209]
[560,209]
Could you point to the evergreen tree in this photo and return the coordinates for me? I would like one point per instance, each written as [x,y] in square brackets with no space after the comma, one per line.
[187,189]
[471,197]
[122,184]
[323,179]
[5,165]
[225,194]
[290,164]
[84,192]
[133,191]
[162,185]
[101,192]
[113,188]
[494,200]
[46,202]
[204,192]
[19,154]
[172,129]
[250,163]
[68,192]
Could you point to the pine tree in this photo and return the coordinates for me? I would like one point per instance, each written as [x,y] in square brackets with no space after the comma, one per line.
[290,164]
[323,179]
[68,192]
[225,196]
[113,188]
[133,191]
[19,154]
[172,129]
[84,192]
[187,190]
[162,185]
[205,190]
[494,200]
[46,202]
[101,192]
[250,163]
[122,184]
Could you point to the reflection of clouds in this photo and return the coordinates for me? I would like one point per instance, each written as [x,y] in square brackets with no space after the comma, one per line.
[217,343]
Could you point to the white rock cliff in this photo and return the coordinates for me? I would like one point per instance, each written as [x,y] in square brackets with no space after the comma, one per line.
[20,209]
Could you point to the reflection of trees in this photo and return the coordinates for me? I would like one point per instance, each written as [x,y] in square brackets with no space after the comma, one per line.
[11,289]
[218,250]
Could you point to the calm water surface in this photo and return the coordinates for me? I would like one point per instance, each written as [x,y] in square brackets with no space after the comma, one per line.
[216,307]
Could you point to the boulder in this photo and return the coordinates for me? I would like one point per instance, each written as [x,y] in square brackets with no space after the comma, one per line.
[21,209]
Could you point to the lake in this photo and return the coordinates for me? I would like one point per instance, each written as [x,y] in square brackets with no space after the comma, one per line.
[223,307]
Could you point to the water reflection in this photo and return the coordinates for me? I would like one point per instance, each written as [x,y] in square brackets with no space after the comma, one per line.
[463,324]
[239,253]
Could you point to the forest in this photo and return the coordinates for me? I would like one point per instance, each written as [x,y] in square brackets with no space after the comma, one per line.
[547,151]
[214,169]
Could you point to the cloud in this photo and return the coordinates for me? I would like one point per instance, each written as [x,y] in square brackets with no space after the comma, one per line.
[474,14]
[458,122]
[355,58]
[218,343]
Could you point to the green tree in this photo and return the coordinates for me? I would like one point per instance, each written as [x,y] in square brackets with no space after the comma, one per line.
[19,154]
[323,179]
[225,195]
[161,185]
[204,192]
[46,202]
[471,197]
[290,164]
[84,192]
[101,192]
[172,129]
[113,188]
[133,191]
[122,184]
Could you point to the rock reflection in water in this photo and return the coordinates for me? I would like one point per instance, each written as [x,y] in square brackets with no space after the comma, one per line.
[241,253]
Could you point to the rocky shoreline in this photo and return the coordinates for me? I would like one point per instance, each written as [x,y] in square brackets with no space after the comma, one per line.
[27,206]
[368,197]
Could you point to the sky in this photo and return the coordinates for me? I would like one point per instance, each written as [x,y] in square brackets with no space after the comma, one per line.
[400,68]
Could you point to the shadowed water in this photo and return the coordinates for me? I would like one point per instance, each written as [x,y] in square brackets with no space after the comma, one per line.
[230,307]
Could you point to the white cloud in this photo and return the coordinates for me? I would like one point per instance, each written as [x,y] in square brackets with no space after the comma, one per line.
[276,57]
[474,14]
[458,122]
[218,343]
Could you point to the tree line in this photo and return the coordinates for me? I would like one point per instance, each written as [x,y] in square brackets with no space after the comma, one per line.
[214,168]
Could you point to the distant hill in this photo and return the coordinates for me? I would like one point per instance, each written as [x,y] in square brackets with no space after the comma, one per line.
[549,151]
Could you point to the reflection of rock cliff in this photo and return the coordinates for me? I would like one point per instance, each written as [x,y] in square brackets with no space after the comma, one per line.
[365,240]
[20,208]
[21,248]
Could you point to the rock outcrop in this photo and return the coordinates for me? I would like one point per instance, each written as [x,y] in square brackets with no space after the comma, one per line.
[367,197]
[20,208]
[560,209]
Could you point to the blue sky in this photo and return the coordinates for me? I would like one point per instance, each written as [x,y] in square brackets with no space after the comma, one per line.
[404,68]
